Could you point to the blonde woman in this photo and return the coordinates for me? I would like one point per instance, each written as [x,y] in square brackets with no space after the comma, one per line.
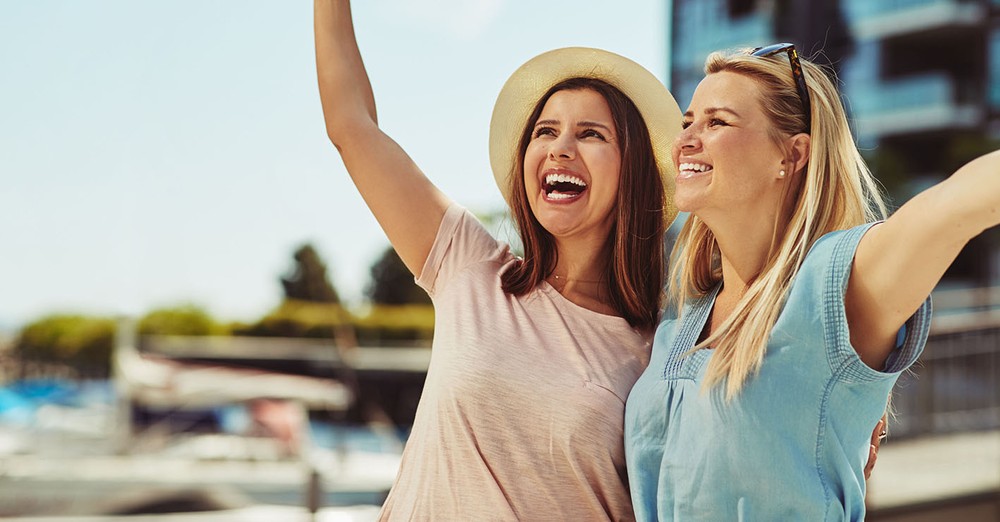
[521,416]
[793,306]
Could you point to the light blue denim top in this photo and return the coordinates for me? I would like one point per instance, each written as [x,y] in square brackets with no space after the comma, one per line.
[793,444]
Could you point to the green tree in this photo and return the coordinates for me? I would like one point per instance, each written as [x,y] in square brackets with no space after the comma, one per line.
[308,280]
[401,311]
[391,324]
[311,307]
[392,283]
[298,318]
[180,320]
[81,342]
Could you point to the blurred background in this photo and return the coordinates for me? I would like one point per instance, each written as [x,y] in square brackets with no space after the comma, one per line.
[199,315]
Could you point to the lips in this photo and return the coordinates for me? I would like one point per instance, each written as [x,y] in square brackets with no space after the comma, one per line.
[560,185]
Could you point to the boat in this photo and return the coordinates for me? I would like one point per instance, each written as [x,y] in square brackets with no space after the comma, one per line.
[106,456]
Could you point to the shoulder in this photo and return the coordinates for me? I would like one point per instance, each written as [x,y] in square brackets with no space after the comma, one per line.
[829,259]
[821,280]
[838,245]
[462,241]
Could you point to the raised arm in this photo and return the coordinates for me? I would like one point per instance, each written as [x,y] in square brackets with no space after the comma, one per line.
[406,204]
[899,262]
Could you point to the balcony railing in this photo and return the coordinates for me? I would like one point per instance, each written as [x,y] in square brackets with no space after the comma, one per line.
[719,35]
[929,101]
[955,386]
[936,88]
[867,8]
[886,18]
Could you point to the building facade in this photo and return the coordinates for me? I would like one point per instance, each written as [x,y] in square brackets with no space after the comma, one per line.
[921,81]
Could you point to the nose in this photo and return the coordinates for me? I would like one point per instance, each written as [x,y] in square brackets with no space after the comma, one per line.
[688,139]
[563,147]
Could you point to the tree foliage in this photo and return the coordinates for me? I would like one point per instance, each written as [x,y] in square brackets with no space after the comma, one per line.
[392,283]
[297,318]
[79,341]
[392,324]
[308,280]
[311,307]
[186,319]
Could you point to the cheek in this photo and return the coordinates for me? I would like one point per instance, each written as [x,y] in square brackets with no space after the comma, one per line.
[754,166]
[606,160]
[609,187]
[613,165]
[533,157]
[675,153]
[532,160]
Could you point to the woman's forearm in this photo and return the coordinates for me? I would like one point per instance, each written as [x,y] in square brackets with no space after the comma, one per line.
[973,193]
[344,89]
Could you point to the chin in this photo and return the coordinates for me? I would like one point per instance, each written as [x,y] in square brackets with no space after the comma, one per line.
[684,205]
[557,228]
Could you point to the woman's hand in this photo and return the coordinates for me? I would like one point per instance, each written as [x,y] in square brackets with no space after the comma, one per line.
[877,435]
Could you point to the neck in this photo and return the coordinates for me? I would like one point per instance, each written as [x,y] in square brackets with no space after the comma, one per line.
[580,261]
[580,277]
[745,246]
[748,232]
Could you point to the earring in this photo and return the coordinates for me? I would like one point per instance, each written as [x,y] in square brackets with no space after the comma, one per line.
[781,173]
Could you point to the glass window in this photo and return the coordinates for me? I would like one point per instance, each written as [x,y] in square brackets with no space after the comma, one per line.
[994,72]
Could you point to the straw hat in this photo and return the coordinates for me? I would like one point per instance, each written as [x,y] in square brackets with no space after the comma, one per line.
[530,82]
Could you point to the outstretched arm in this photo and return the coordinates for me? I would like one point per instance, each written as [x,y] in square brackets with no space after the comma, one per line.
[406,204]
[899,262]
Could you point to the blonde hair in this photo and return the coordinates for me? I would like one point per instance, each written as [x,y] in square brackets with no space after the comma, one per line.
[837,191]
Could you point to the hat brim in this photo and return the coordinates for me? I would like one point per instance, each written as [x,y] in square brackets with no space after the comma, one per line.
[530,82]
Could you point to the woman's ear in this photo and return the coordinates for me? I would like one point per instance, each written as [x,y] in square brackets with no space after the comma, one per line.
[798,148]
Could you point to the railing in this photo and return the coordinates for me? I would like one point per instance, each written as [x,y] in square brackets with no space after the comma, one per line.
[913,92]
[888,18]
[956,384]
[865,8]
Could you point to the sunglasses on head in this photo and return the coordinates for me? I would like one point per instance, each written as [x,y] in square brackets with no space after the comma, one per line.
[800,79]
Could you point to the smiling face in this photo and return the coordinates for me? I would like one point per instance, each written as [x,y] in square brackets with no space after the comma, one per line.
[572,165]
[727,159]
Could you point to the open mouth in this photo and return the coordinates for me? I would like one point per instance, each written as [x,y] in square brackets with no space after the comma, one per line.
[689,170]
[563,186]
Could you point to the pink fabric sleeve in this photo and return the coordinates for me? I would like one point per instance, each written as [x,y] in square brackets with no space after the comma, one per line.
[461,242]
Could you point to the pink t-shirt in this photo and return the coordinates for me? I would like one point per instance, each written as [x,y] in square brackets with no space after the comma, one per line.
[522,412]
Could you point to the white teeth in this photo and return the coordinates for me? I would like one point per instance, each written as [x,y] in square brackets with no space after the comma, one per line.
[697,167]
[560,195]
[563,178]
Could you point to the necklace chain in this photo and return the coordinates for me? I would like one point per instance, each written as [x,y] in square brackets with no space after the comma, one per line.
[568,280]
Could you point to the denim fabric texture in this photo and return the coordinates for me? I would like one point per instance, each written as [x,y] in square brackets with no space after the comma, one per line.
[793,444]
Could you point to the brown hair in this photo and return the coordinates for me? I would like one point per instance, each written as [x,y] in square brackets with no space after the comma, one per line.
[634,248]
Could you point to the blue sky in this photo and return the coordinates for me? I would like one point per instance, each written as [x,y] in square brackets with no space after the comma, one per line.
[155,153]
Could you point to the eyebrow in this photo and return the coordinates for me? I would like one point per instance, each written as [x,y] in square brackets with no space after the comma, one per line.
[580,124]
[712,110]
